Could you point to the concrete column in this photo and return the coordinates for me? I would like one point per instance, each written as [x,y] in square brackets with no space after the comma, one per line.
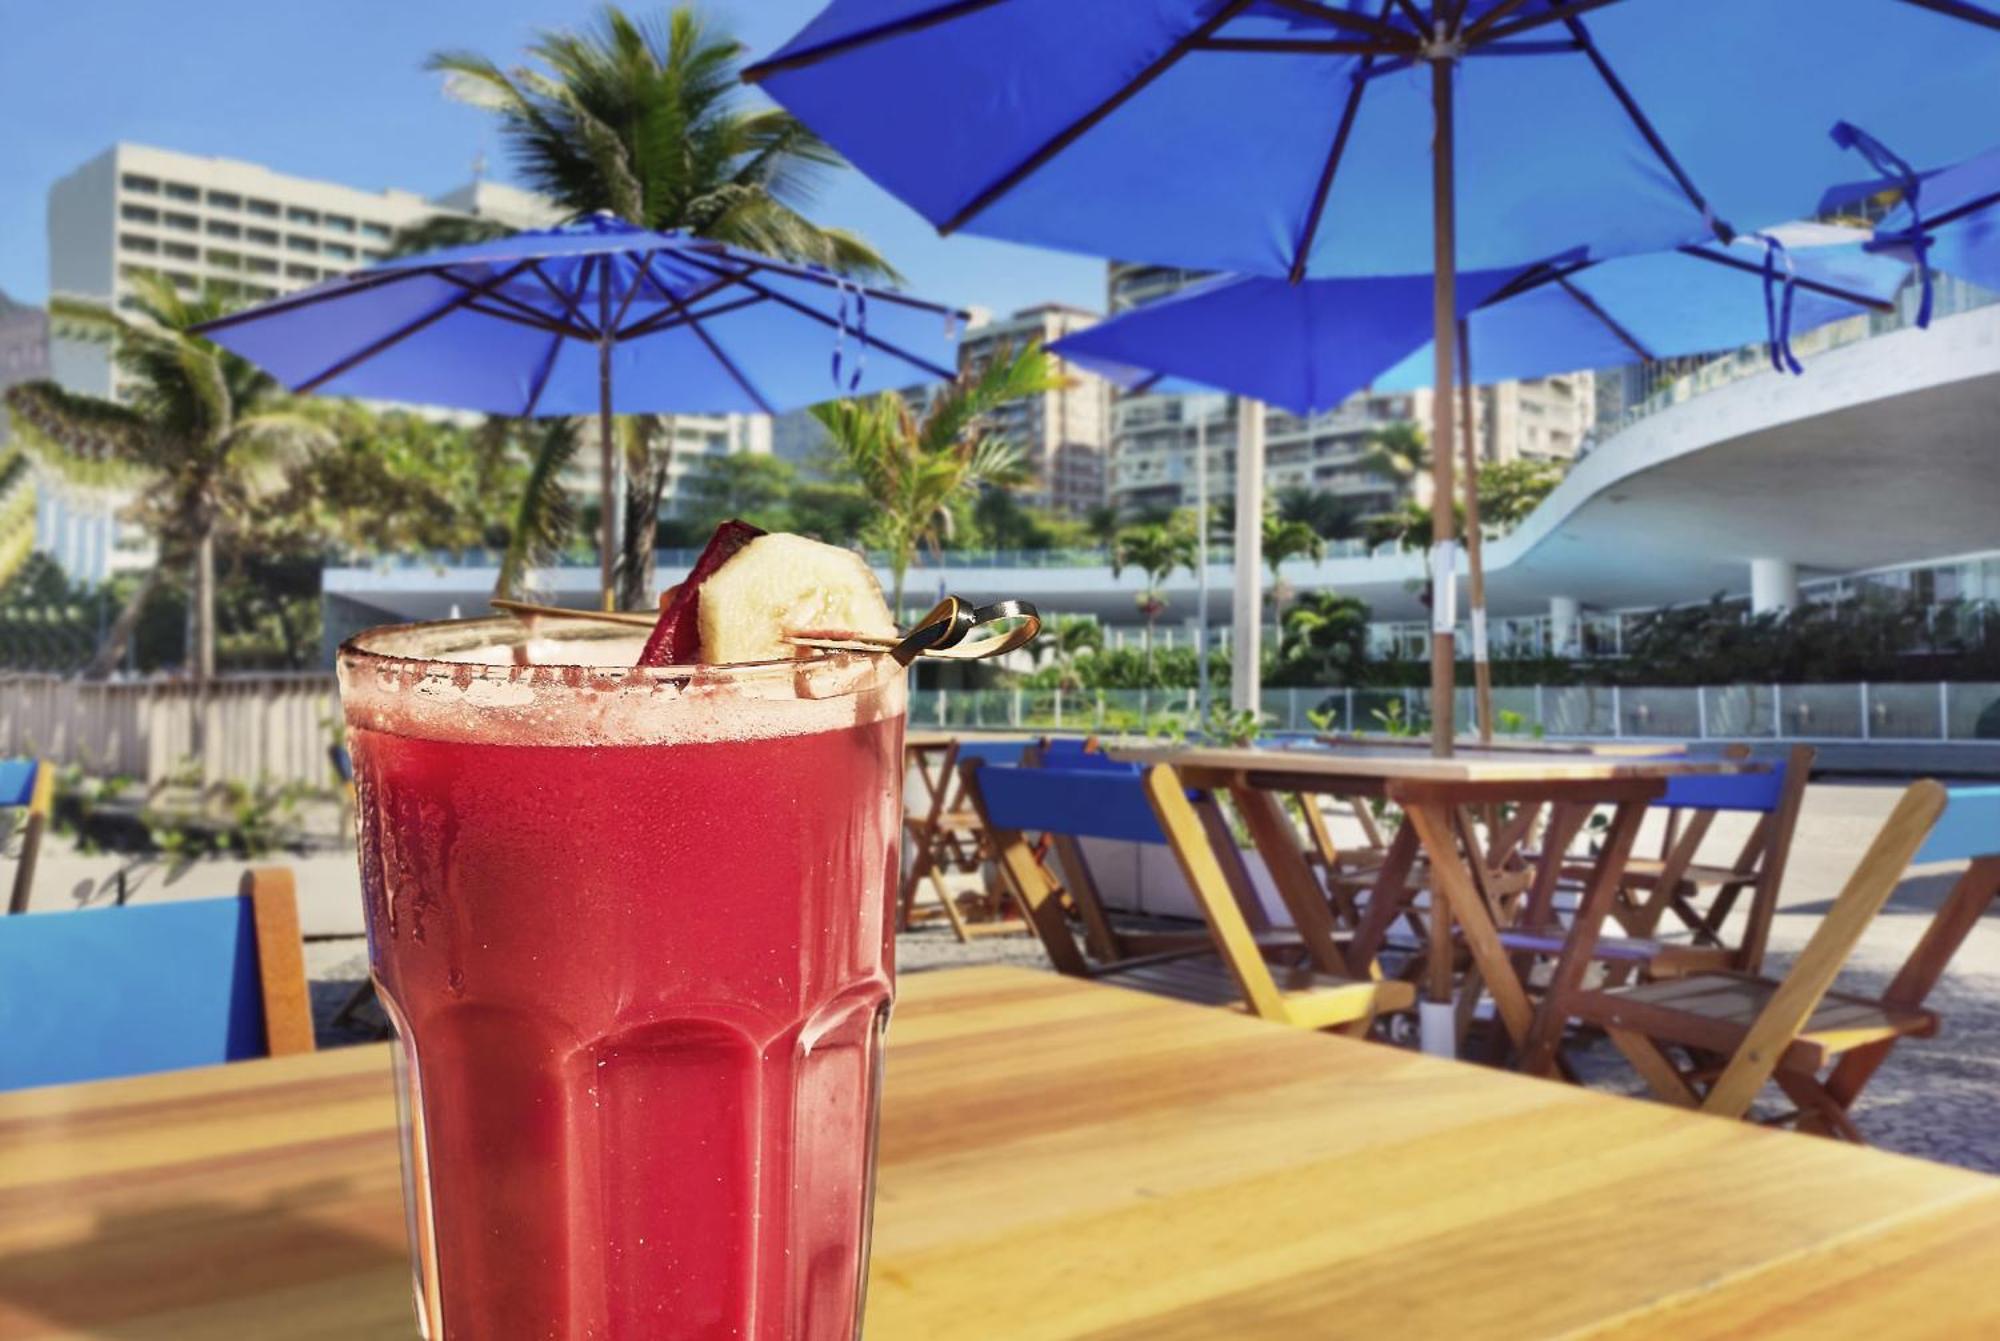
[1247,616]
[1565,625]
[1774,585]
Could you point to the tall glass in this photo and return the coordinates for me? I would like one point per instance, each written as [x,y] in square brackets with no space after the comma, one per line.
[633,929]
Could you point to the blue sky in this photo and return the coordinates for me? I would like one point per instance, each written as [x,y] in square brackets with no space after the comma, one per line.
[337,91]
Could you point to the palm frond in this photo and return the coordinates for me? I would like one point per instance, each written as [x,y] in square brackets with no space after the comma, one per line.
[543,522]
[86,426]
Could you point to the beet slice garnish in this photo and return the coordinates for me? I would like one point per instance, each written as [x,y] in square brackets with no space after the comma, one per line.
[676,639]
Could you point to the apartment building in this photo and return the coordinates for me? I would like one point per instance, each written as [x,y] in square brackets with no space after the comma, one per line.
[1061,433]
[1152,436]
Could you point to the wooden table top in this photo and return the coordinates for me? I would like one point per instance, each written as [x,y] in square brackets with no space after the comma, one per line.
[1393,762]
[1063,1160]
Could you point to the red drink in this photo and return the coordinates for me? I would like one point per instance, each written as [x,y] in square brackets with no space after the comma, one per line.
[634,930]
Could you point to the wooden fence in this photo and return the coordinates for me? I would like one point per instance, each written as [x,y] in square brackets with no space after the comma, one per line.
[247,728]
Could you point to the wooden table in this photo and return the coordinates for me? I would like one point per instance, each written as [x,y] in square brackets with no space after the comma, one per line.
[1437,796]
[1063,1159]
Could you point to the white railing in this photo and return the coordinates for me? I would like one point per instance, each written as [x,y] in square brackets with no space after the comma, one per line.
[247,728]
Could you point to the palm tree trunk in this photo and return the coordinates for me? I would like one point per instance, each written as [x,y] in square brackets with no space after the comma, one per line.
[1151,618]
[201,656]
[896,598]
[112,650]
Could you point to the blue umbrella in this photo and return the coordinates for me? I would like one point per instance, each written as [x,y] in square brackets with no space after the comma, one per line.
[1283,137]
[1946,220]
[1309,346]
[597,316]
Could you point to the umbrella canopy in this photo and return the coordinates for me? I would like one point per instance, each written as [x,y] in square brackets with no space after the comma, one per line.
[1308,347]
[1287,137]
[597,316]
[1947,220]
[514,327]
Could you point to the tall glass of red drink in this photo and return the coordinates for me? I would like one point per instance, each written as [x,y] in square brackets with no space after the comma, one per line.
[632,926]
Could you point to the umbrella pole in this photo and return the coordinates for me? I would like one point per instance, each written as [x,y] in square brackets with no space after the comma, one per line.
[1475,544]
[606,522]
[1444,317]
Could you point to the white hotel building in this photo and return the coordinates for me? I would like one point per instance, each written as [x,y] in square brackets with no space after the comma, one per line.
[219,222]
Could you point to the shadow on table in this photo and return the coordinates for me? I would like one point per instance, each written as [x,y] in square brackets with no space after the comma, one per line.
[135,1267]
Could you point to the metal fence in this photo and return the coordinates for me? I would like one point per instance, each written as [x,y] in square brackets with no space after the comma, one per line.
[1902,713]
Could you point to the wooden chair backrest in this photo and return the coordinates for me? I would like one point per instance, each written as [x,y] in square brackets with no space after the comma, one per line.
[1013,801]
[103,992]
[1874,879]
[31,785]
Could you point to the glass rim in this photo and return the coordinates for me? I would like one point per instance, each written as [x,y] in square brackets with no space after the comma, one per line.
[502,630]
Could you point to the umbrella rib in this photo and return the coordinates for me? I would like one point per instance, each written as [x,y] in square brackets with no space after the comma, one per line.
[825,279]
[1078,128]
[785,300]
[572,302]
[1417,19]
[516,309]
[642,268]
[1957,212]
[866,37]
[1325,187]
[1299,46]
[648,324]
[542,377]
[1632,110]
[1348,19]
[1590,305]
[666,321]
[645,267]
[1491,19]
[1958,9]
[407,329]
[1799,281]
[280,305]
[1556,13]
[514,316]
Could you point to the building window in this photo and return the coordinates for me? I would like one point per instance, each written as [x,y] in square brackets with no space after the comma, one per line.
[339,250]
[133,242]
[374,254]
[300,272]
[147,186]
[263,237]
[217,228]
[180,251]
[339,223]
[183,192]
[225,260]
[260,265]
[380,232]
[263,209]
[183,280]
[301,216]
[139,213]
[136,272]
[184,223]
[224,200]
[293,242]
[258,291]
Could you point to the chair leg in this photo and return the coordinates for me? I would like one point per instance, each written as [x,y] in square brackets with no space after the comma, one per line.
[1655,1067]
[1820,1114]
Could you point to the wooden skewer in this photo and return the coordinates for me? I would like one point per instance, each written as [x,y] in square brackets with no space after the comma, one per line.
[630,618]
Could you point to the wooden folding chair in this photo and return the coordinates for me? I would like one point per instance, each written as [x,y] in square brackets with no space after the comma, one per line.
[29,784]
[1736,1031]
[1673,881]
[946,836]
[102,992]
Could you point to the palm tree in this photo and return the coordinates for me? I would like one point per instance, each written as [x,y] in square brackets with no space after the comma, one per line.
[917,471]
[1399,453]
[1329,515]
[1101,524]
[1157,549]
[205,430]
[1287,540]
[1066,639]
[647,120]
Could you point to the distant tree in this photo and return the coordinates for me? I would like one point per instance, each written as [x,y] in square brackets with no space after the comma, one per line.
[1328,640]
[1102,523]
[647,120]
[1063,644]
[1285,540]
[1398,452]
[1510,490]
[207,435]
[920,472]
[835,511]
[752,485]
[1331,516]
[1003,521]
[1157,549]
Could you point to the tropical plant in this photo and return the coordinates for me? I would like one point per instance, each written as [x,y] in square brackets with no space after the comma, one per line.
[918,470]
[1101,523]
[208,433]
[1284,540]
[1063,643]
[1328,641]
[1331,516]
[647,120]
[1398,452]
[1510,490]
[1157,549]
[545,514]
